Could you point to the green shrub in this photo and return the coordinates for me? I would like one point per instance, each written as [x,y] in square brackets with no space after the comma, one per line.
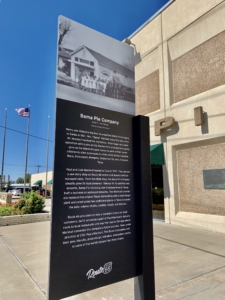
[20,204]
[30,203]
[34,203]
[25,210]
[6,210]
[26,195]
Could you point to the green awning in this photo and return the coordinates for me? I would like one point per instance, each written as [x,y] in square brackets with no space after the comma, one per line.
[38,182]
[49,182]
[157,154]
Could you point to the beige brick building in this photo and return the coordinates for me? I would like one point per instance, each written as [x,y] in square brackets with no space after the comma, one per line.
[183,67]
[40,179]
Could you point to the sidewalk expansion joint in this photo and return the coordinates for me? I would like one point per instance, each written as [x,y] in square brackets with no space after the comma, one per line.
[23,266]
[159,237]
[190,279]
[199,292]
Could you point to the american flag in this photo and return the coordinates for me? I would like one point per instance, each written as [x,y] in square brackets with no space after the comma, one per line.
[23,112]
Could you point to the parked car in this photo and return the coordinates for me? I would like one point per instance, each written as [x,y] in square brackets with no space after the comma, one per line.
[15,192]
[9,189]
[39,190]
[42,192]
[26,189]
[63,78]
[21,187]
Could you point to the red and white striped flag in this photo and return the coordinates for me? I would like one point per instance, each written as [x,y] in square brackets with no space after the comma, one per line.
[23,112]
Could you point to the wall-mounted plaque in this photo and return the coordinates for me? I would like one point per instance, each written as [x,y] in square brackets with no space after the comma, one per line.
[214,179]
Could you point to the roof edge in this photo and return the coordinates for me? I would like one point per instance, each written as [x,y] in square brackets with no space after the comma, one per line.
[150,19]
[78,49]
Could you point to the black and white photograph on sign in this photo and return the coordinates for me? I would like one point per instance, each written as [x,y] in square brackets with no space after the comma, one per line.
[94,69]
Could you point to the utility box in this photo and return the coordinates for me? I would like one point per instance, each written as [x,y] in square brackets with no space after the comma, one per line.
[5,197]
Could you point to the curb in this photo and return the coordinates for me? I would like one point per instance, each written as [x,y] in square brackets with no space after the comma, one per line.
[24,219]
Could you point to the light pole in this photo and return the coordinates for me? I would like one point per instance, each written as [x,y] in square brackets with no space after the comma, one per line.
[47,157]
[28,131]
[3,148]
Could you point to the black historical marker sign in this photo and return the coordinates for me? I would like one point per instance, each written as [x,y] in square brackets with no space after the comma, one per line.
[94,234]
[94,231]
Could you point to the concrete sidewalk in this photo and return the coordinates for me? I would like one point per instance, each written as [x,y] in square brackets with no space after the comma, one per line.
[189,264]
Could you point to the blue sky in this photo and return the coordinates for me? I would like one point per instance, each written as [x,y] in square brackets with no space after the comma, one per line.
[28,39]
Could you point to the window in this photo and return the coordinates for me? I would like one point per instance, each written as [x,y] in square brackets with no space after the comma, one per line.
[92,63]
[76,58]
[84,61]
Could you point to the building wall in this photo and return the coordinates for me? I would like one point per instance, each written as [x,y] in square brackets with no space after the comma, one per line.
[42,176]
[192,196]
[182,67]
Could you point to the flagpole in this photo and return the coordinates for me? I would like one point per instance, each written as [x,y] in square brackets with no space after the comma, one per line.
[3,148]
[47,158]
[28,130]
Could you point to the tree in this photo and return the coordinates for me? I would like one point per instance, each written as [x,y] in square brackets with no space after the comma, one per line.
[28,178]
[21,180]
[64,28]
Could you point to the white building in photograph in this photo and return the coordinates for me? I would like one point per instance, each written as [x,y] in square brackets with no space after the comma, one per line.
[85,61]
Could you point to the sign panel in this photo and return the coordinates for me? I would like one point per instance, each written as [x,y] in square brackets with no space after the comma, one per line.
[94,237]
[94,69]
[214,179]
